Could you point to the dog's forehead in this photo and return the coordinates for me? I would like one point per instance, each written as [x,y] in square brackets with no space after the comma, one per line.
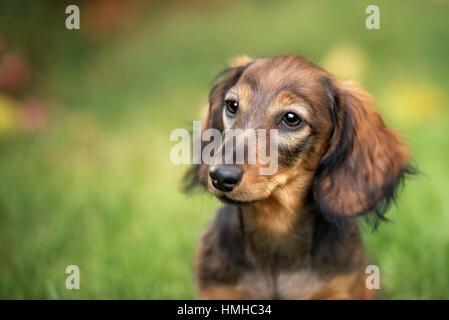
[276,74]
[282,79]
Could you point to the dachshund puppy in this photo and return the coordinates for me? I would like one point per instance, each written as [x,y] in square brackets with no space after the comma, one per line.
[294,234]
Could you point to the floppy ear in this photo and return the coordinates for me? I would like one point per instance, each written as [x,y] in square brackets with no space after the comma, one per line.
[213,114]
[365,162]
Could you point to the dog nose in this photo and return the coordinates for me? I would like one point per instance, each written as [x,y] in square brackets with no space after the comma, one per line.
[225,177]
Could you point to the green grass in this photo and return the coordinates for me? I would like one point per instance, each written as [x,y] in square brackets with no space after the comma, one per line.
[96,188]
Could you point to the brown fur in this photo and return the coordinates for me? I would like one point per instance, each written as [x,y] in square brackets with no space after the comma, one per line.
[292,235]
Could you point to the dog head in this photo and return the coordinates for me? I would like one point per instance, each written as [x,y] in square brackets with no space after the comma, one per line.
[330,142]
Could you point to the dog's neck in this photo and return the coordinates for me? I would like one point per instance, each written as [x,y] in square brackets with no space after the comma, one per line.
[284,234]
[271,218]
[276,236]
[281,240]
[280,214]
[276,226]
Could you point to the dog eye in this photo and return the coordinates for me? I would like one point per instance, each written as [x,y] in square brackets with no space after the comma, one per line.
[231,106]
[292,120]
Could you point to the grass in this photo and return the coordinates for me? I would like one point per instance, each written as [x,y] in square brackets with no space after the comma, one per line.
[96,187]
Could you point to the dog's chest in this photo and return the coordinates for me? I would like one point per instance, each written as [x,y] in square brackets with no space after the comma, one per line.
[299,284]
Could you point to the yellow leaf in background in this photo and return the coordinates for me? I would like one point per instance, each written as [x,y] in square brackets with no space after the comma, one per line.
[413,101]
[8,114]
[346,62]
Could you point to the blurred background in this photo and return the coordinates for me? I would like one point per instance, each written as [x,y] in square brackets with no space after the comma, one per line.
[86,116]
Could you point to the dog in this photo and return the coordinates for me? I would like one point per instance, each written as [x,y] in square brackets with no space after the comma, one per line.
[295,234]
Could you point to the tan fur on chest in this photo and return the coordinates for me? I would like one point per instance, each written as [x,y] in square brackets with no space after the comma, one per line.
[298,285]
[285,285]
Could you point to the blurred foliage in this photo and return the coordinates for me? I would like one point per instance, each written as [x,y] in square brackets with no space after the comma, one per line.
[84,161]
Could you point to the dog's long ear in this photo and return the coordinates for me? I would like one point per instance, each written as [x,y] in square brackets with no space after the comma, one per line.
[365,162]
[213,113]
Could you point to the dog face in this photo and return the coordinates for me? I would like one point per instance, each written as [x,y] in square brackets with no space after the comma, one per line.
[330,143]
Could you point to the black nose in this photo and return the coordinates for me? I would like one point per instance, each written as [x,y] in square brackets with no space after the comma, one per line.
[225,177]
